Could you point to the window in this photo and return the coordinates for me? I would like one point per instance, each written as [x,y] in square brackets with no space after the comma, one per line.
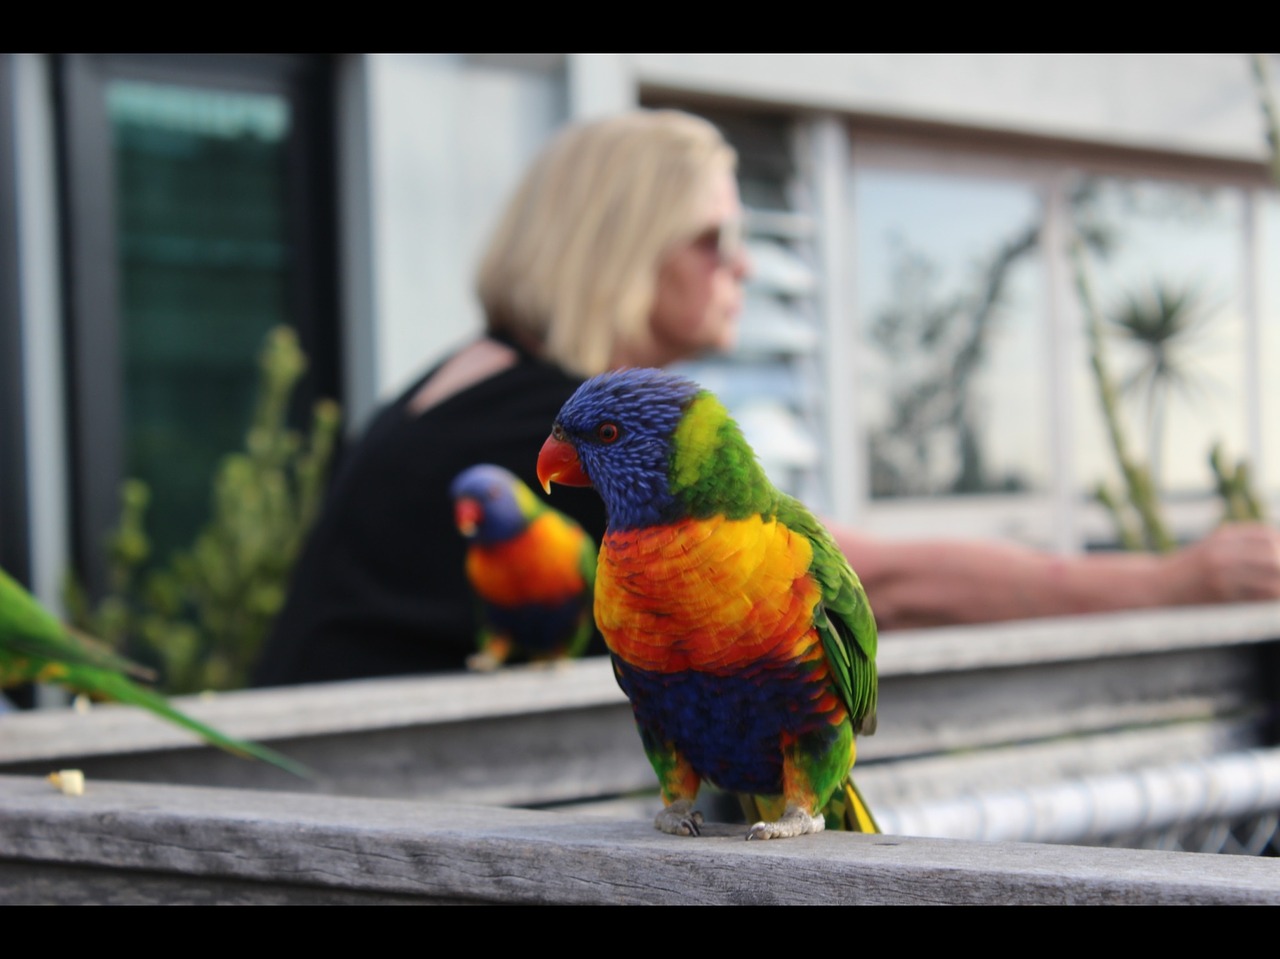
[950,300]
[1165,262]
[199,198]
[974,363]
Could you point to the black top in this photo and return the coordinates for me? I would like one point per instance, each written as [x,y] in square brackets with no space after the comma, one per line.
[380,588]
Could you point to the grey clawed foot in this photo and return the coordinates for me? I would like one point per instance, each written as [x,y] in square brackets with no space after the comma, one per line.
[483,662]
[794,822]
[680,819]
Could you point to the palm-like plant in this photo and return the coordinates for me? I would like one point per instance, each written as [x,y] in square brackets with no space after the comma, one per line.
[1165,326]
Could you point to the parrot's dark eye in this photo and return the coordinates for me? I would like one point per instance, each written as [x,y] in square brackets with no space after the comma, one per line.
[607,432]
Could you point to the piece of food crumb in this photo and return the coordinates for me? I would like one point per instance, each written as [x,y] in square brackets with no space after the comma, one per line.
[69,781]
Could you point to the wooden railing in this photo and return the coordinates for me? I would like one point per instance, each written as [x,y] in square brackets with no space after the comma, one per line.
[964,712]
[142,843]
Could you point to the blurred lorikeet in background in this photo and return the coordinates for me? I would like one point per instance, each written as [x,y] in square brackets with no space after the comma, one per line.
[737,628]
[35,647]
[532,568]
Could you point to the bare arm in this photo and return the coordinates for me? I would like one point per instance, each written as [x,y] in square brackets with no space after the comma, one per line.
[938,582]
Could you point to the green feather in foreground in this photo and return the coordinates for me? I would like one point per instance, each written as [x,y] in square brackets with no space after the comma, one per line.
[35,647]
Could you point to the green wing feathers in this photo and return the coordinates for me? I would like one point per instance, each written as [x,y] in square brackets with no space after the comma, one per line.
[35,647]
[845,621]
[120,689]
[30,634]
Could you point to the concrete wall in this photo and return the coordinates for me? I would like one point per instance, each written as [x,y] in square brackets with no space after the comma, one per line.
[1192,102]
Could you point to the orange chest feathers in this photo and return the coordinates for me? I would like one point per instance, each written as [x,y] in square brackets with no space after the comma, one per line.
[543,564]
[707,595]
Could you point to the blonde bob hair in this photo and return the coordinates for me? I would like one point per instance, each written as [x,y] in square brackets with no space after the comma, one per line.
[573,263]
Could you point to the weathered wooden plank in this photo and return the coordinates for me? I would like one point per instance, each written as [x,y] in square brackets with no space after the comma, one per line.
[283,844]
[922,714]
[297,712]
[1092,637]
[539,736]
[567,755]
[520,736]
[52,885]
[555,756]
[317,710]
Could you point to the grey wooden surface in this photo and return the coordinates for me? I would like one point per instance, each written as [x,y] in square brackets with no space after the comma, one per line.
[965,713]
[143,843]
[518,737]
[976,707]
[411,773]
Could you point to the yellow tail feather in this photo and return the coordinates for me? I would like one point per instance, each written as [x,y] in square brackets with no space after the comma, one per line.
[856,813]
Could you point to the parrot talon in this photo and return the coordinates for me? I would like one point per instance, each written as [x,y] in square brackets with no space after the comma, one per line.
[483,663]
[679,819]
[794,822]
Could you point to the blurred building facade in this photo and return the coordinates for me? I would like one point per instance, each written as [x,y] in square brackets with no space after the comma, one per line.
[912,356]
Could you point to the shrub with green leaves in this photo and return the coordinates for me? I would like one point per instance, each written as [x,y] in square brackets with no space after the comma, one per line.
[201,618]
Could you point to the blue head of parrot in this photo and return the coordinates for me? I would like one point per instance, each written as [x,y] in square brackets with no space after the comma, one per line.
[491,504]
[615,433]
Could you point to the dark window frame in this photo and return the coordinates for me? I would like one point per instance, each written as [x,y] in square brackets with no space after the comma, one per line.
[15,533]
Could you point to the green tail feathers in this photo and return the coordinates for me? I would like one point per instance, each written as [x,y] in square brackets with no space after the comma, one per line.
[122,690]
[848,811]
[36,647]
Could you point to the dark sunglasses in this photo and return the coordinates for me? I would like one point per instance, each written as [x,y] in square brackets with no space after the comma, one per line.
[723,240]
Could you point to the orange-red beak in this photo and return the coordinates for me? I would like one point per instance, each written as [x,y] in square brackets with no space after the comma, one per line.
[558,463]
[467,514]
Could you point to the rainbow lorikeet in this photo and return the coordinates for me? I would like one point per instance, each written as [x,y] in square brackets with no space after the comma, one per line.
[532,568]
[737,628]
[35,647]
